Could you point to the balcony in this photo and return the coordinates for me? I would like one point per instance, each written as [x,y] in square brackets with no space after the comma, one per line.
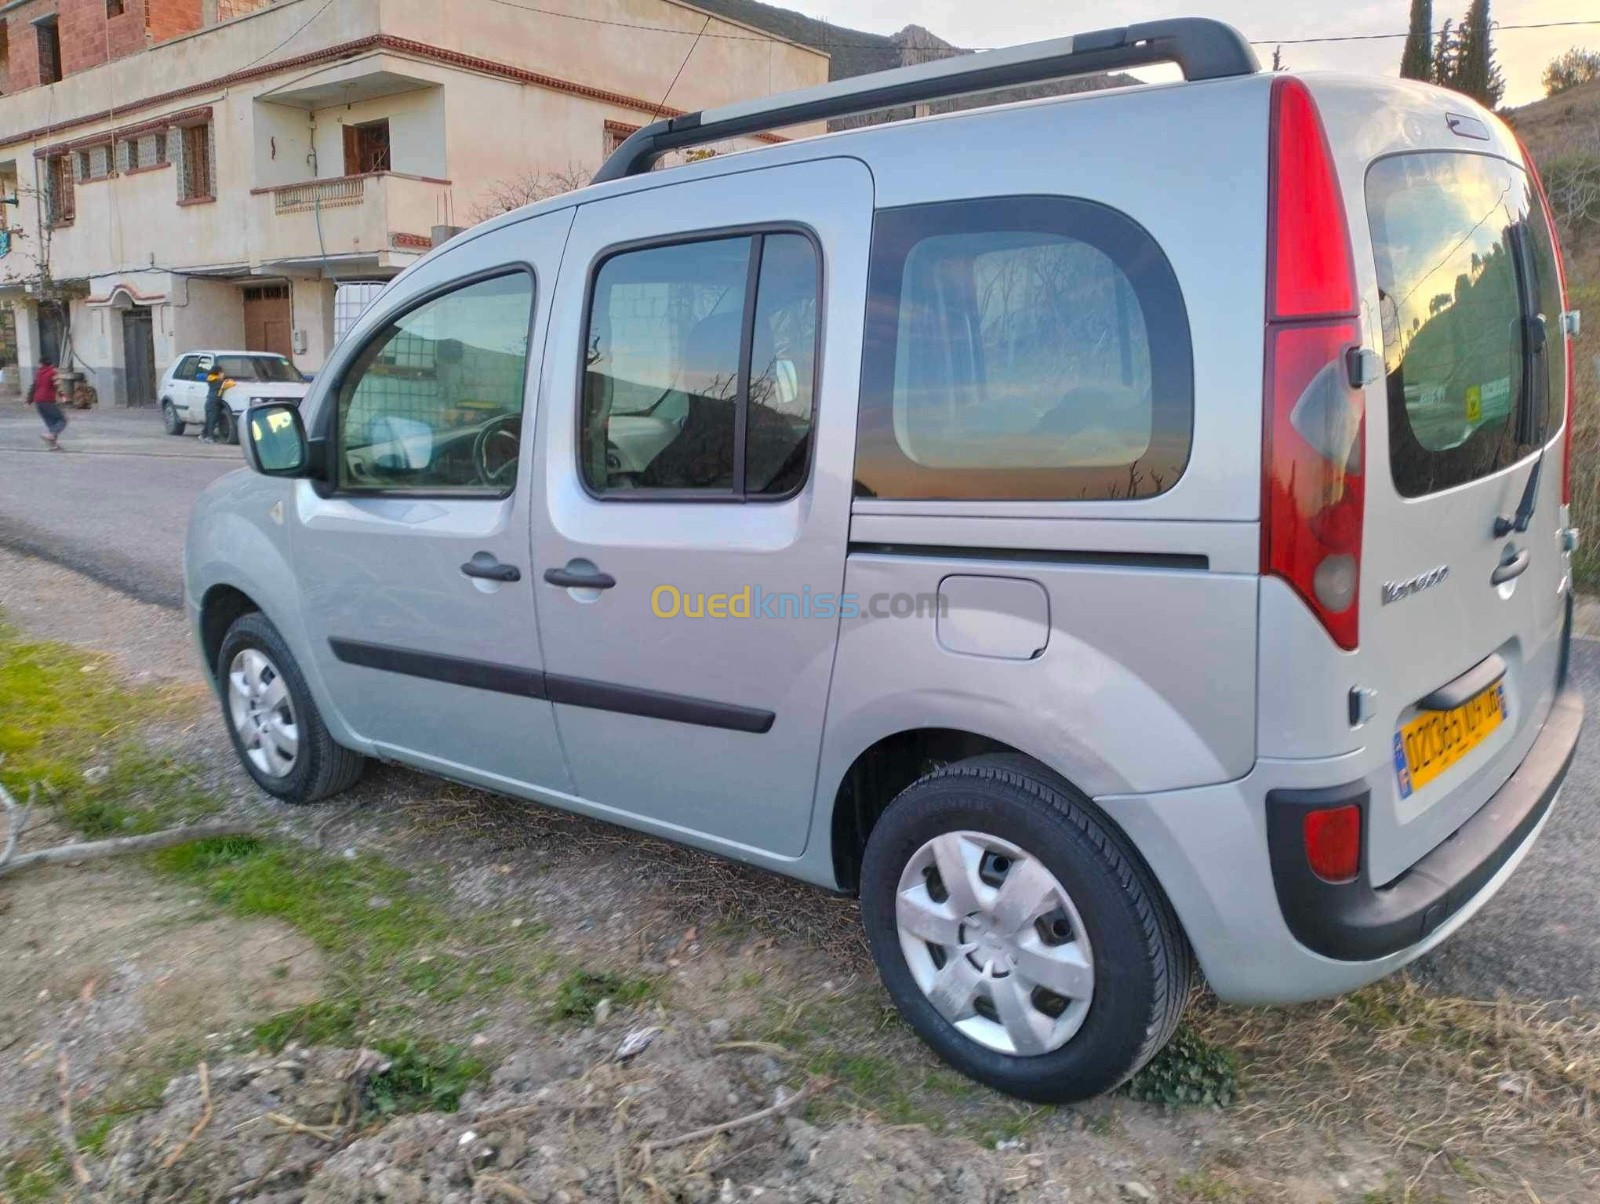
[380,220]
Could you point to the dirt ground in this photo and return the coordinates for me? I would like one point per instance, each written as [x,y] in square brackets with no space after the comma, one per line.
[762,990]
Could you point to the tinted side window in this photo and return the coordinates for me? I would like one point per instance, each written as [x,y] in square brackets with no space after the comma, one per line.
[700,368]
[1022,347]
[185,368]
[1450,232]
[434,401]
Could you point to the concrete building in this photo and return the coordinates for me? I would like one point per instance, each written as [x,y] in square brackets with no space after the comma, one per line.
[186,173]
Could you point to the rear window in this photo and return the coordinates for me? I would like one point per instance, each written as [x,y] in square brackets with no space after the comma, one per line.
[1459,265]
[1022,347]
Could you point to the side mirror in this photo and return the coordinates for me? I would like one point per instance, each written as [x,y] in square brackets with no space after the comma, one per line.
[275,439]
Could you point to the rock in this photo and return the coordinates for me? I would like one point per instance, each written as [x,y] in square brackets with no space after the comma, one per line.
[1134,1190]
[602,1011]
[96,774]
[718,1030]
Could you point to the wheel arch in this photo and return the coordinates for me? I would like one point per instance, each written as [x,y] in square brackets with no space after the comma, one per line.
[220,608]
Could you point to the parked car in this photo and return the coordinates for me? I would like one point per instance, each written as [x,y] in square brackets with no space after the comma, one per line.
[253,376]
[1100,561]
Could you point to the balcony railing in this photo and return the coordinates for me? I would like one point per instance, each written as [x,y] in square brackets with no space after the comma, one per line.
[295,198]
[378,214]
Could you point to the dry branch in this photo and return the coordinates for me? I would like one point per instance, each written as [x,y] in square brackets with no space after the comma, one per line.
[69,1141]
[171,1160]
[728,1126]
[93,849]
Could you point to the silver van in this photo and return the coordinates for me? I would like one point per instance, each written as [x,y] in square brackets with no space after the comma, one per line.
[1108,534]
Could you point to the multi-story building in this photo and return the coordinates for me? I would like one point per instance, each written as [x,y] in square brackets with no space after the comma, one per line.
[185,173]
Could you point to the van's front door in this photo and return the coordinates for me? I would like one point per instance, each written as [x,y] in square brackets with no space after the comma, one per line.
[695,463]
[413,564]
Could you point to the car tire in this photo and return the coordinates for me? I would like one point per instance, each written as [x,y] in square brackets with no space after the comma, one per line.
[254,671]
[230,427]
[169,416]
[1106,913]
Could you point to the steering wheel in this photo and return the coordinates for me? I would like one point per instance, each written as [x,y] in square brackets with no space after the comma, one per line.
[496,448]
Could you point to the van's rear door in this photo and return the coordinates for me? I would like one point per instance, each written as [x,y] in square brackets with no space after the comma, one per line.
[1461,620]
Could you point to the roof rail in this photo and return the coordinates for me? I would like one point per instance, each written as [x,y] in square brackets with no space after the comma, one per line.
[1202,48]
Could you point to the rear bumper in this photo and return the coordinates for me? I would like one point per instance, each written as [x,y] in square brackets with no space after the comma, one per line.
[1209,849]
[1358,922]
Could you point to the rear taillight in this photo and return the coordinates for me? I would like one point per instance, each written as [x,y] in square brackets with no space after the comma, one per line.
[1333,843]
[1315,421]
[1570,377]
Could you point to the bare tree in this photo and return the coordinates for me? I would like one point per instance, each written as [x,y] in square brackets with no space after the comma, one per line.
[526,188]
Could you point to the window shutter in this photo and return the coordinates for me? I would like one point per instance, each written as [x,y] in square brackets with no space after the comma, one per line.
[100,161]
[175,155]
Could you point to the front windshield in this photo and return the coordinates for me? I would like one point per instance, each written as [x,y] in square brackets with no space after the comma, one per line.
[272,368]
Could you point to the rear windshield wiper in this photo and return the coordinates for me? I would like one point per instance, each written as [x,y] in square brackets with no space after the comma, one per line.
[1537,340]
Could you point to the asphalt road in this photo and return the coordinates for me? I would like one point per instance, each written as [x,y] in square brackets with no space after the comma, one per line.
[115,509]
[115,505]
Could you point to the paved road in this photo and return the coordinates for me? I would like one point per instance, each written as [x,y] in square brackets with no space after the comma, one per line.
[115,509]
[114,506]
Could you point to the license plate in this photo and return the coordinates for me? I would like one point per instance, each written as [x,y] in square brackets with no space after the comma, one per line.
[1435,740]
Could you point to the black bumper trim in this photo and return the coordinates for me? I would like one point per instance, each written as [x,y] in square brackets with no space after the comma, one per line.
[1355,921]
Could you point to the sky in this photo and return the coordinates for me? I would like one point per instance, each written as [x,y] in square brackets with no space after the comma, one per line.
[1522,54]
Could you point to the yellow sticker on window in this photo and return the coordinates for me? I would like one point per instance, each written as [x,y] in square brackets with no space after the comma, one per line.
[1474,403]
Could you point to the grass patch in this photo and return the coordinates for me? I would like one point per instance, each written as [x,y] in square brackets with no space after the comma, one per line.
[580,992]
[423,1077]
[1190,1071]
[325,1022]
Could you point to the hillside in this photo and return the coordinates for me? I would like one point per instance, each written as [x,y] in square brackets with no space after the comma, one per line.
[1563,135]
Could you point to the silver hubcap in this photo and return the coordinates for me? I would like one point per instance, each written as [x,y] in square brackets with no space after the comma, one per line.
[262,713]
[995,943]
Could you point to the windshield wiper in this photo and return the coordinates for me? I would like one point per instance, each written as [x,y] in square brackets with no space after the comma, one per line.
[1538,339]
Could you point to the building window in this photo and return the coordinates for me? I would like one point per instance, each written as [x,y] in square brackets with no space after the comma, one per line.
[93,163]
[197,176]
[617,132]
[113,8]
[48,36]
[366,148]
[5,58]
[59,207]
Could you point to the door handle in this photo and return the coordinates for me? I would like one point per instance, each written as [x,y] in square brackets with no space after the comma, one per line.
[568,579]
[1514,567]
[483,564]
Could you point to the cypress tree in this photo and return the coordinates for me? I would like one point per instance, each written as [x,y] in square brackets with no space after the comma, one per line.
[1475,72]
[1417,60]
[1445,55]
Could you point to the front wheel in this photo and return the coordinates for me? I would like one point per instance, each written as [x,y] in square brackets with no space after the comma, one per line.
[169,417]
[275,726]
[1019,934]
[230,427]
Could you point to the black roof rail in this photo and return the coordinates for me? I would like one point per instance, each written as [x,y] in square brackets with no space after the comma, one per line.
[1201,47]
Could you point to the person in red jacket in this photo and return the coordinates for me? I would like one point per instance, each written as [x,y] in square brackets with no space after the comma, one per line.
[44,398]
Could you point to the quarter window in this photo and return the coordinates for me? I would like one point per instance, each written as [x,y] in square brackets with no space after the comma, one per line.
[700,365]
[1022,347]
[434,401]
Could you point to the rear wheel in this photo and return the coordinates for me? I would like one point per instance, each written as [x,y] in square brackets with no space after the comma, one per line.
[169,416]
[276,729]
[230,427]
[1020,935]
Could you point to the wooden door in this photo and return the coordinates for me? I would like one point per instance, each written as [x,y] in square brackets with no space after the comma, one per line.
[268,319]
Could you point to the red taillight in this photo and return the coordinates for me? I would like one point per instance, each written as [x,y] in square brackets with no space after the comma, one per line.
[1313,497]
[1310,267]
[1333,843]
[1570,376]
